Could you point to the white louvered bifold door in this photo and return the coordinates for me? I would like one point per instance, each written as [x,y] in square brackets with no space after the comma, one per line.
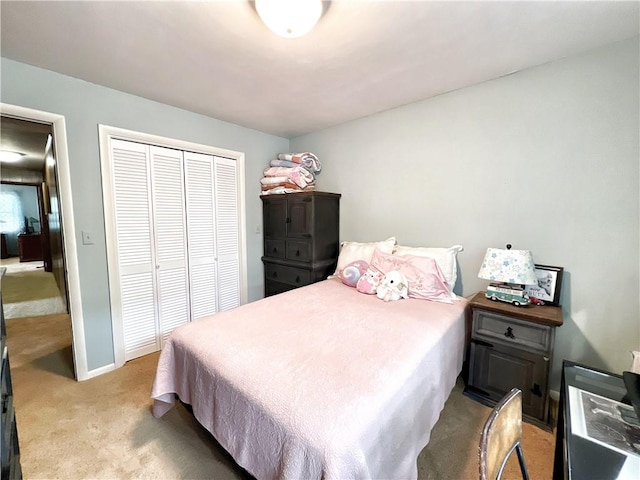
[201,234]
[227,232]
[136,307]
[170,239]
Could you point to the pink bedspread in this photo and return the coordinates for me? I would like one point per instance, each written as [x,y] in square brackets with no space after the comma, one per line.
[318,382]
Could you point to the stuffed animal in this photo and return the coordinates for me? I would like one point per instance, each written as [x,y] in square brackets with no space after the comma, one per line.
[369,281]
[352,272]
[393,287]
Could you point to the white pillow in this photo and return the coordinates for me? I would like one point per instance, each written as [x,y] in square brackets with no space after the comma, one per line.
[444,257]
[352,251]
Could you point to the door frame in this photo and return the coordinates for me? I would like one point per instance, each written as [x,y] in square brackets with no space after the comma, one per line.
[70,250]
[105,134]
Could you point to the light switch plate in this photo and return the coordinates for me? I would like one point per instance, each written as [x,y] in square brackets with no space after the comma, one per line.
[87,238]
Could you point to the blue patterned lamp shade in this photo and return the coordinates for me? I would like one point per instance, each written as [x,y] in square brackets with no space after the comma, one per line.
[508,266]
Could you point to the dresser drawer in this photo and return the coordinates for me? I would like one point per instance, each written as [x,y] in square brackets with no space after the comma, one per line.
[272,287]
[510,331]
[290,275]
[299,250]
[274,248]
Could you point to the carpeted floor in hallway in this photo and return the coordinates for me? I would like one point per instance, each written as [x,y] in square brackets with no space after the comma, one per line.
[28,290]
[102,428]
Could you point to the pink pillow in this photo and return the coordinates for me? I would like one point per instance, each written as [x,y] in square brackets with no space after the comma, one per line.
[423,274]
[352,272]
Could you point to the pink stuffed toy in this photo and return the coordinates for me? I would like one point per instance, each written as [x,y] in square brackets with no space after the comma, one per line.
[369,281]
[352,272]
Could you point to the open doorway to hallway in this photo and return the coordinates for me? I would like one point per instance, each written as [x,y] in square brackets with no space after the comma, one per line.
[34,283]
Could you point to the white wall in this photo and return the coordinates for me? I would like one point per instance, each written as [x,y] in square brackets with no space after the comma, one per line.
[546,159]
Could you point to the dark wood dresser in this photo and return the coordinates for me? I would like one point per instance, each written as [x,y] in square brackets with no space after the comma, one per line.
[301,239]
[30,247]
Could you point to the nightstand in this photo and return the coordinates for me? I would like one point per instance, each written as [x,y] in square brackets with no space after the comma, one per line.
[512,347]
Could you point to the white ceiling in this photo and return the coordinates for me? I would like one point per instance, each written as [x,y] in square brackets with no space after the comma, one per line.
[216,58]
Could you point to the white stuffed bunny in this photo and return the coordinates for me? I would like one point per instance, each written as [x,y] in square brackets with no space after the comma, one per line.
[393,287]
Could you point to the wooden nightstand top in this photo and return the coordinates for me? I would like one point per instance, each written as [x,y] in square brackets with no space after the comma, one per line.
[545,315]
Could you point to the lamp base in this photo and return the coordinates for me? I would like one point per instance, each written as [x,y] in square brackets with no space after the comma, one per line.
[508,293]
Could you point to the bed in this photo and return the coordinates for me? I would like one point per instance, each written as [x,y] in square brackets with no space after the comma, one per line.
[318,382]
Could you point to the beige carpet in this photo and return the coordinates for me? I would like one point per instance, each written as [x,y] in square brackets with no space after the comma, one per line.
[103,427]
[27,290]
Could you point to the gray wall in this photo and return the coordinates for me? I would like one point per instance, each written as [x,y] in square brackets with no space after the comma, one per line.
[86,105]
[559,143]
[546,159]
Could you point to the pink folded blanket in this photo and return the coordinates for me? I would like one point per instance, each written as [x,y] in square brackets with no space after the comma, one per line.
[298,175]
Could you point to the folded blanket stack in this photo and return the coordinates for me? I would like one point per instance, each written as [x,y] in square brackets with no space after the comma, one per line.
[290,172]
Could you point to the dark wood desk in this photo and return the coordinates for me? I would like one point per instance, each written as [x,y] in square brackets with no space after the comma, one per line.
[30,247]
[577,457]
[3,246]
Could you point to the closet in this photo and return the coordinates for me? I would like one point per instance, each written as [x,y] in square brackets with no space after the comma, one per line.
[173,243]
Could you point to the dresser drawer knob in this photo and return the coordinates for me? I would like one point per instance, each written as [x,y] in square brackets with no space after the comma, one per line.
[275,275]
[275,249]
[509,333]
[298,279]
[297,253]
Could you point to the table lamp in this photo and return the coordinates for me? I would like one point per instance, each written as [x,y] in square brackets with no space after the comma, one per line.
[508,271]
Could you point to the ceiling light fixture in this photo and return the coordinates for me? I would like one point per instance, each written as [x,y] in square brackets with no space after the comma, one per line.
[8,156]
[289,18]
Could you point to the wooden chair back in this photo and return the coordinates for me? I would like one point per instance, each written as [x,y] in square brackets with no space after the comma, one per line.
[501,435]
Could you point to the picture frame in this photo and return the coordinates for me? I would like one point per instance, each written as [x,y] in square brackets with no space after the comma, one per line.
[549,285]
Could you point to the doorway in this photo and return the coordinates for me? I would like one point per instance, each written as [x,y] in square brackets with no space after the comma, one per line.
[56,218]
[32,291]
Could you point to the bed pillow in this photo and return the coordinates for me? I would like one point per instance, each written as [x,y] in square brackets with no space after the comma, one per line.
[352,272]
[445,257]
[426,280]
[353,251]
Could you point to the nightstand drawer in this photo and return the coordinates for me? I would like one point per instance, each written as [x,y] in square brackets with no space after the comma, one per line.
[289,275]
[510,331]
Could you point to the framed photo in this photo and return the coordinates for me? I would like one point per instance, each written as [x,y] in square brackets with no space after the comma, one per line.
[549,284]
